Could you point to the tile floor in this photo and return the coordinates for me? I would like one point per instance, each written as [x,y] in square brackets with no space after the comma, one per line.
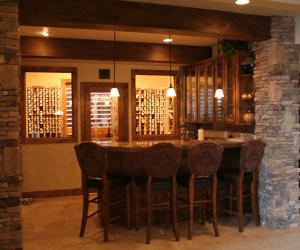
[54,224]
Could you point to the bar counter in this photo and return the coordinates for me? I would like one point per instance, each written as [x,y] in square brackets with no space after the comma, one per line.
[126,158]
[136,145]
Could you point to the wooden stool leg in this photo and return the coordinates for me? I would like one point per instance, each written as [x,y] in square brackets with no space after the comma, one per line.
[85,208]
[105,207]
[128,210]
[254,199]
[214,205]
[230,198]
[240,201]
[137,209]
[149,209]
[191,207]
[174,207]
[202,206]
[169,208]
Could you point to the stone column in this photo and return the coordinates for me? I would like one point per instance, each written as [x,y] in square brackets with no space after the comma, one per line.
[10,178]
[276,79]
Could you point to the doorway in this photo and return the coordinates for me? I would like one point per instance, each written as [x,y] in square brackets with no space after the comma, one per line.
[103,117]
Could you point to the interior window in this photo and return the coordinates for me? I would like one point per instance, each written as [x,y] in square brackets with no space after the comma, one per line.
[154,110]
[48,105]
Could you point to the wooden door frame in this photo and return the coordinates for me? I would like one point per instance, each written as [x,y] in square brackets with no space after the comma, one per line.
[123,113]
[177,109]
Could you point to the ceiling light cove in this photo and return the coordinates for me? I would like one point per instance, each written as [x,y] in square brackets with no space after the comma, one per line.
[242,2]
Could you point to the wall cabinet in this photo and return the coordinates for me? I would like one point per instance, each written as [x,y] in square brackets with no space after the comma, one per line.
[202,79]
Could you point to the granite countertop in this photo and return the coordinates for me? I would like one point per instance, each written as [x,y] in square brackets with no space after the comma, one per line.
[140,145]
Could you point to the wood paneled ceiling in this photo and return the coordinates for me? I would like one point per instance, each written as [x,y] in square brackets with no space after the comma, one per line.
[124,36]
[256,7]
[144,18]
[194,24]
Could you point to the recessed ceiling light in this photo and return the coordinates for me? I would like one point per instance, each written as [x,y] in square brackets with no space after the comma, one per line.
[242,2]
[45,33]
[168,40]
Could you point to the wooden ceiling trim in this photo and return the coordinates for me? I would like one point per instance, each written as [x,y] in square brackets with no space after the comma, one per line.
[144,17]
[62,48]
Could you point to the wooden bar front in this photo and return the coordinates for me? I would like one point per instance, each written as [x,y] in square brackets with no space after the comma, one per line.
[127,158]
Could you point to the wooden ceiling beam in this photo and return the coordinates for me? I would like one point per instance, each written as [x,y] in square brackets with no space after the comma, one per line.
[144,17]
[62,48]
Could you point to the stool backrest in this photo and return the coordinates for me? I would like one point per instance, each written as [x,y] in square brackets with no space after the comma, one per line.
[162,160]
[204,159]
[252,153]
[92,159]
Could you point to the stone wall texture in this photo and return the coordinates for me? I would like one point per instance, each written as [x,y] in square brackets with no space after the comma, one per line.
[276,80]
[10,177]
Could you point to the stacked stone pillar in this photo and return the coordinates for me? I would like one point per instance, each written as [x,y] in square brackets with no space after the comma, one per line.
[276,80]
[10,178]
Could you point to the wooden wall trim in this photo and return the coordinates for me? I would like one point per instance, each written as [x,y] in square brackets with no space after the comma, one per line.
[51,193]
[144,17]
[62,48]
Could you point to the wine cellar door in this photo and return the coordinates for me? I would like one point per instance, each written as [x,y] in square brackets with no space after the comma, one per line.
[103,117]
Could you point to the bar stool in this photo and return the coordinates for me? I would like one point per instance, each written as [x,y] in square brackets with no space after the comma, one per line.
[238,176]
[92,159]
[203,162]
[161,164]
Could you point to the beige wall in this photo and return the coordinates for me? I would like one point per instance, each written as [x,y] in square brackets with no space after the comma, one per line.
[49,167]
[153,82]
[47,80]
[54,166]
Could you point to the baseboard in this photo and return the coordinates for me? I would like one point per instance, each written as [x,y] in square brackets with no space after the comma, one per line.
[51,193]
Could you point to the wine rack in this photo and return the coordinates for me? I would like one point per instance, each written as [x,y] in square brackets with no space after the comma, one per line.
[69,117]
[100,114]
[154,112]
[43,112]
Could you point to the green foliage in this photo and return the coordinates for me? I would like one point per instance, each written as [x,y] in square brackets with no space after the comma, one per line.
[229,47]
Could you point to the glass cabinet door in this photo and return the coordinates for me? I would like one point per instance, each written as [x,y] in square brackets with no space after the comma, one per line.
[210,92]
[219,76]
[191,95]
[230,85]
[201,97]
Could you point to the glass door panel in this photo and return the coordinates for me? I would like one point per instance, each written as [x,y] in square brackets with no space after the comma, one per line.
[191,96]
[201,97]
[219,84]
[103,113]
[229,90]
[210,93]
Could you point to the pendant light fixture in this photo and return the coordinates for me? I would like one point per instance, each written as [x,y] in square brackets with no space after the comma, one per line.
[171,91]
[114,92]
[219,94]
